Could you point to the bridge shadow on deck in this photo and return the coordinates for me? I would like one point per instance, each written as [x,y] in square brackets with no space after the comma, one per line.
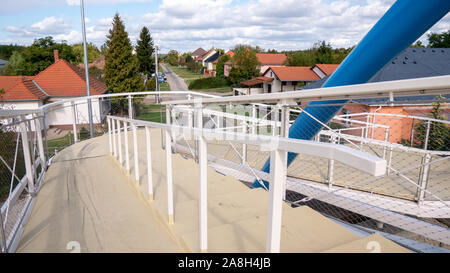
[86,199]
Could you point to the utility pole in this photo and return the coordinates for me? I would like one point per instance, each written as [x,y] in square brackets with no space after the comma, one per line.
[86,70]
[156,73]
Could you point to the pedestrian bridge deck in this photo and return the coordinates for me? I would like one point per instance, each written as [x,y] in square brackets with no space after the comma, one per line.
[88,198]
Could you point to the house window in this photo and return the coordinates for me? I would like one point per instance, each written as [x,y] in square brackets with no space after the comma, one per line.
[271,74]
[294,83]
[283,83]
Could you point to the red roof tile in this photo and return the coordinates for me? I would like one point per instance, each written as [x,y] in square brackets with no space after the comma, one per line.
[294,73]
[198,52]
[271,58]
[64,79]
[59,79]
[328,69]
[24,88]
[230,53]
[256,81]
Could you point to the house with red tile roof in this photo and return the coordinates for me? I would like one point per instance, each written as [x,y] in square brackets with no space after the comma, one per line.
[59,80]
[202,58]
[267,60]
[323,70]
[197,53]
[287,78]
[99,63]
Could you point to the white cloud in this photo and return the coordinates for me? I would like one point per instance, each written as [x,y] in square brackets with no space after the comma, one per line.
[47,27]
[186,25]
[102,2]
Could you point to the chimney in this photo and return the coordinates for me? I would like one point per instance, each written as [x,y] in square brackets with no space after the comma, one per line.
[56,55]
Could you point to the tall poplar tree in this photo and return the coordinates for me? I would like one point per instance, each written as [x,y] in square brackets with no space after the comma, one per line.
[144,52]
[121,67]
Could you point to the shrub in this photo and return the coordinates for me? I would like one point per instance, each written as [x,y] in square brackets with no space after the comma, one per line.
[207,83]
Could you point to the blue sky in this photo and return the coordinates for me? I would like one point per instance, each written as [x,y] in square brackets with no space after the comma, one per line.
[186,25]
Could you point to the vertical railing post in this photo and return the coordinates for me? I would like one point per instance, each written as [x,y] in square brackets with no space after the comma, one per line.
[120,142]
[3,248]
[254,117]
[244,146]
[110,136]
[278,168]
[130,107]
[127,150]
[367,125]
[386,141]
[190,118]
[427,135]
[284,132]
[389,162]
[27,157]
[331,166]
[203,174]
[149,164]
[425,169]
[373,125]
[40,143]
[169,178]
[74,122]
[424,174]
[218,120]
[113,121]
[136,154]
[274,118]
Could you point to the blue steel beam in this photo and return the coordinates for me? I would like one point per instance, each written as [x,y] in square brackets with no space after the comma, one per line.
[399,27]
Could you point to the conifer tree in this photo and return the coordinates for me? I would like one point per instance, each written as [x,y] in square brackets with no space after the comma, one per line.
[144,52]
[121,67]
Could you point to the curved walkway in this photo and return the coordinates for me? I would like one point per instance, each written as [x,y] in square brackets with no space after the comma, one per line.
[86,200]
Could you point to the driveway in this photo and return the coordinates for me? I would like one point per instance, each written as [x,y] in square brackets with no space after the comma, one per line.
[176,82]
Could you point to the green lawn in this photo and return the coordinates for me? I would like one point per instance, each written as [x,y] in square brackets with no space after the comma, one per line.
[224,89]
[164,86]
[185,73]
[151,112]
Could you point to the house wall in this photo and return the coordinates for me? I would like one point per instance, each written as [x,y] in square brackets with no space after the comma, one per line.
[62,117]
[399,128]
[20,105]
[226,70]
[207,56]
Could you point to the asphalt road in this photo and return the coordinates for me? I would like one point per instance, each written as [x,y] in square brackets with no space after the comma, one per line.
[176,83]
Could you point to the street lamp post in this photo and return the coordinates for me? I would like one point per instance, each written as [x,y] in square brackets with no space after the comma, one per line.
[156,73]
[86,69]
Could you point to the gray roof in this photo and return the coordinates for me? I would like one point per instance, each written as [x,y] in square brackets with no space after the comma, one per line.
[3,61]
[214,57]
[409,64]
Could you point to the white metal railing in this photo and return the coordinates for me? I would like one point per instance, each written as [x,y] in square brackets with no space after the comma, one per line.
[30,128]
[279,147]
[246,136]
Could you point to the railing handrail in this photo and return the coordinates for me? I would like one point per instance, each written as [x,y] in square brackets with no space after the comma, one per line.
[386,144]
[357,159]
[6,113]
[395,115]
[426,86]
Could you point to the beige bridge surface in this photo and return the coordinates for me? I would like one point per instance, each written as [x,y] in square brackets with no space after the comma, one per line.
[88,198]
